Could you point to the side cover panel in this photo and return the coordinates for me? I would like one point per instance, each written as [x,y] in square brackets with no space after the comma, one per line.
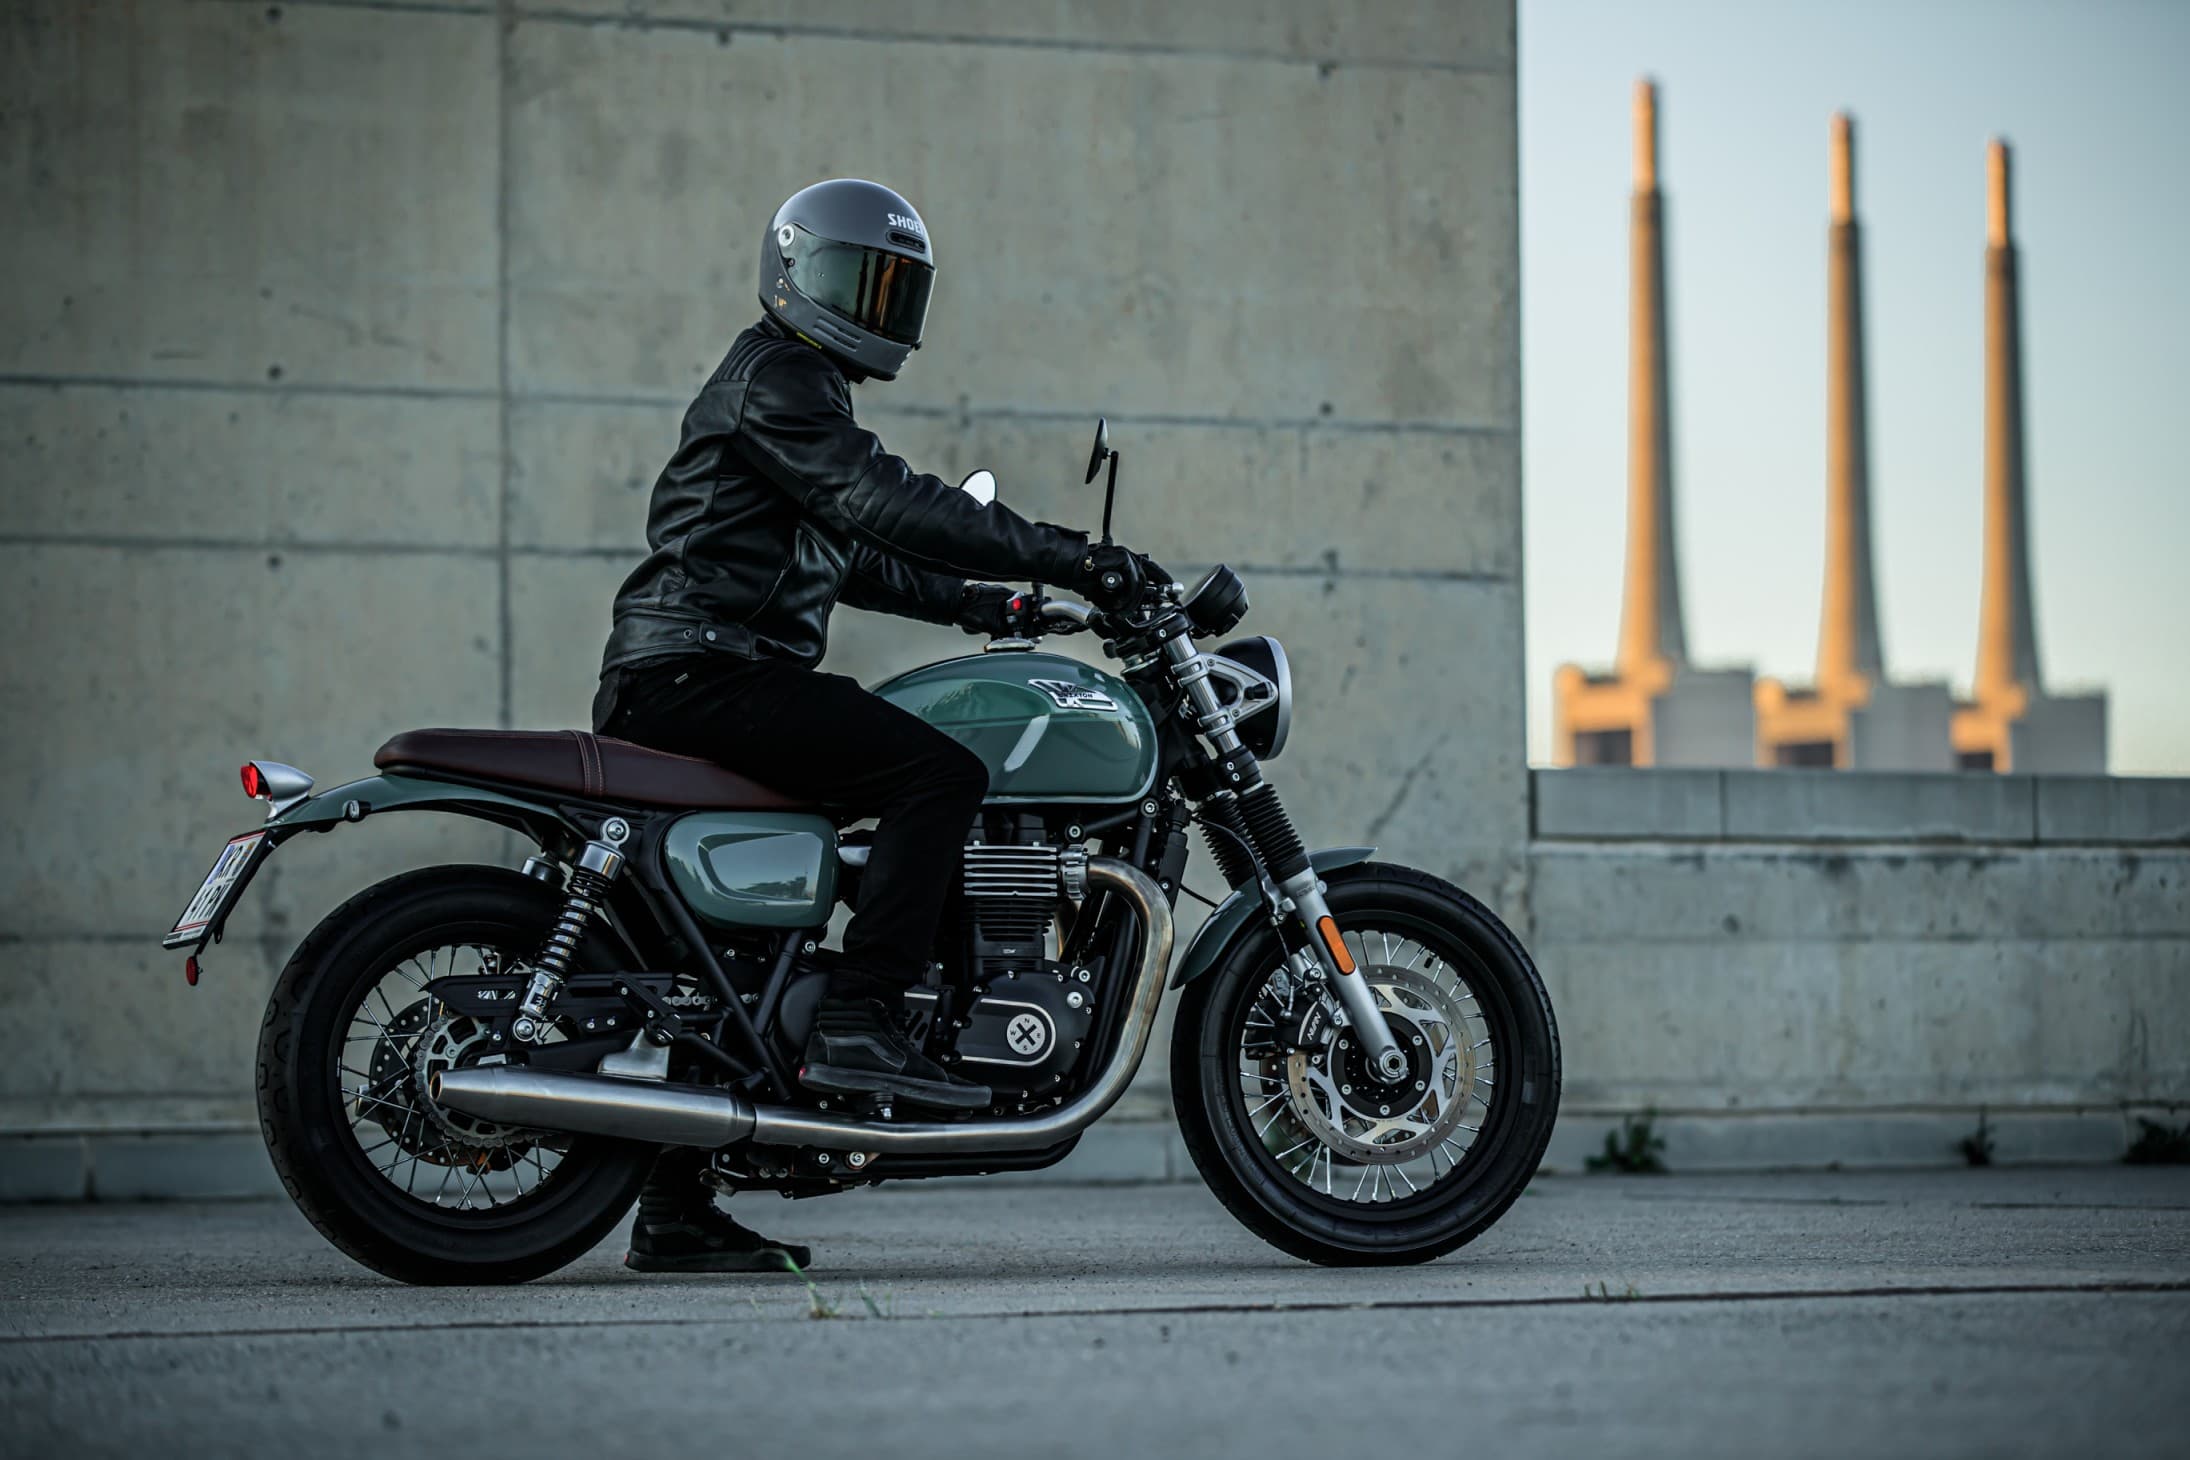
[754,869]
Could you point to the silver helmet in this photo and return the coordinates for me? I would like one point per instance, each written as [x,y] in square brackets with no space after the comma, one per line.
[847,264]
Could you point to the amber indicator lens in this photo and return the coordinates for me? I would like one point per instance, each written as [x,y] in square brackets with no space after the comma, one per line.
[1328,927]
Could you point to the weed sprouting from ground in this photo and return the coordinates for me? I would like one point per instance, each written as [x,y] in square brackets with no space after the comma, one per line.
[1634,1149]
[1602,1292]
[2159,1145]
[820,1305]
[1977,1146]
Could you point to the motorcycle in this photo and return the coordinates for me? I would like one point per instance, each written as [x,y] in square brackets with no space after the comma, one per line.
[465,1072]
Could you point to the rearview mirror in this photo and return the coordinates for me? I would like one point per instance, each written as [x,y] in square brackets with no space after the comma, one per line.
[981,486]
[1102,447]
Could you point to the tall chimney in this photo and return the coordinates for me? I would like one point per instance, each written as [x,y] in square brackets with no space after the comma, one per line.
[2007,643]
[1651,632]
[1847,643]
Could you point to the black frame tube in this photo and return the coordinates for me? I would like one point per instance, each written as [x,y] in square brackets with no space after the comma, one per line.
[649,878]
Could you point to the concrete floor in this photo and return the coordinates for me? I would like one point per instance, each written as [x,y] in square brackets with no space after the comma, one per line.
[1981,1313]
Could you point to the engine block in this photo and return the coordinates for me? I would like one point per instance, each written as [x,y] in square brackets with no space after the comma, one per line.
[1023,1018]
[1011,893]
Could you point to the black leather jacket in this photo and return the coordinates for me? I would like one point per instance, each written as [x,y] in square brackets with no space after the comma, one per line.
[777,506]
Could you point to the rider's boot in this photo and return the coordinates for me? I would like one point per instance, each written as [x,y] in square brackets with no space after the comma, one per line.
[680,1229]
[858,1049]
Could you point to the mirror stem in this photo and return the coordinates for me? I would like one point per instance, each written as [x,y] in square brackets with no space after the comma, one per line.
[1110,497]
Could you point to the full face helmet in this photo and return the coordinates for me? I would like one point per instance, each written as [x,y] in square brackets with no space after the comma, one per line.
[847,264]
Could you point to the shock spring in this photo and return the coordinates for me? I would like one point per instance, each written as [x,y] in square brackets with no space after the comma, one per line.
[582,897]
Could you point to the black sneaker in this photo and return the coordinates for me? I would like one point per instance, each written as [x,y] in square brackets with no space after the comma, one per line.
[702,1237]
[857,1049]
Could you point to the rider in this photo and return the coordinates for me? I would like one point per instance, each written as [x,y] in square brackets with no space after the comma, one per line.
[776,506]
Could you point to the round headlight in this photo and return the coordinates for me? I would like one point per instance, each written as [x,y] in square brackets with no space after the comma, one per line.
[1264,730]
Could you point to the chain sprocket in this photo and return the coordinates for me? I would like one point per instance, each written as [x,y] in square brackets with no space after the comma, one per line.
[444,1046]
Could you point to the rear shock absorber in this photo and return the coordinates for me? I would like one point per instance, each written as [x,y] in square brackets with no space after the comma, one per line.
[597,866]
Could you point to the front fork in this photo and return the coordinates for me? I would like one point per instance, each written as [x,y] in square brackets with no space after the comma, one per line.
[1339,970]
[1247,807]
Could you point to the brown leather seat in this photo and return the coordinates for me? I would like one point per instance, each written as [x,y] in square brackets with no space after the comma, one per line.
[579,763]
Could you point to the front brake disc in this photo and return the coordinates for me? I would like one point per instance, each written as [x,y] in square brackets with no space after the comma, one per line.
[1362,1118]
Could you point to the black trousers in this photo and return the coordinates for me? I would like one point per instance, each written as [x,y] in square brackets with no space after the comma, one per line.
[822,738]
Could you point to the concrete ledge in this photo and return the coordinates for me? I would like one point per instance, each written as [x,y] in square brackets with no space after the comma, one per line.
[166,1167]
[1605,803]
[1600,801]
[44,1168]
[1854,1140]
[136,1166]
[1878,806]
[2127,809]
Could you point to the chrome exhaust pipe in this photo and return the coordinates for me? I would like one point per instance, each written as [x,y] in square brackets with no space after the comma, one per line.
[598,1105]
[695,1115]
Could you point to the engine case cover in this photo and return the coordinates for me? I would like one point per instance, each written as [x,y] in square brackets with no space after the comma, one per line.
[1024,1034]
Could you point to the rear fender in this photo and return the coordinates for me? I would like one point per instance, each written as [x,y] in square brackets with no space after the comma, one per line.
[1236,913]
[370,797]
[389,792]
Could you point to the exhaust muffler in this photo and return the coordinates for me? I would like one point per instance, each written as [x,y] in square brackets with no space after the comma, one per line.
[598,1105]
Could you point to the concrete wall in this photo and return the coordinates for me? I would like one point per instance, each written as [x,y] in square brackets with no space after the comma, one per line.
[1801,967]
[344,340]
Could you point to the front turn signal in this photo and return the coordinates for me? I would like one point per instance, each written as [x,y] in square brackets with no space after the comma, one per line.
[1328,927]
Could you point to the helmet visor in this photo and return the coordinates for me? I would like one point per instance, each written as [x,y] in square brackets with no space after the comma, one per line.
[885,293]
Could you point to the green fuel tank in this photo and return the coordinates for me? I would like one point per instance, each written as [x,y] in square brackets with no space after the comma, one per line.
[1048,728]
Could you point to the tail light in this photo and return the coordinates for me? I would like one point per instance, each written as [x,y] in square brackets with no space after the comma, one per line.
[280,786]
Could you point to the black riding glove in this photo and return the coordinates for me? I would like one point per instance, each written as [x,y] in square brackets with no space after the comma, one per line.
[1115,577]
[990,609]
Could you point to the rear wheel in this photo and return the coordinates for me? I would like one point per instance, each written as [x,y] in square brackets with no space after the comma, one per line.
[1316,1153]
[350,1044]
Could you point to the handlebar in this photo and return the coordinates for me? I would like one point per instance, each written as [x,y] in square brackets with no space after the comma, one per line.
[1065,610]
[1068,616]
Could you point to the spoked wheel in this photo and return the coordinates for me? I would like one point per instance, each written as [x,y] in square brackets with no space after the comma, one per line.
[1315,1151]
[348,1052]
[404,1037]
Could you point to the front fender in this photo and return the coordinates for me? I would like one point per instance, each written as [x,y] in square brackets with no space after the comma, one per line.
[1234,913]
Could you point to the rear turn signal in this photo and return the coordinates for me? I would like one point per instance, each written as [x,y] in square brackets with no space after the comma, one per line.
[1329,929]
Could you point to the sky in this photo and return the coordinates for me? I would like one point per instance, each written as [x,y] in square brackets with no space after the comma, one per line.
[2094,99]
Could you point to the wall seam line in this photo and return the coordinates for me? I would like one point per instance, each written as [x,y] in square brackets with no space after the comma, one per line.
[518,398]
[638,20]
[160,542]
[505,21]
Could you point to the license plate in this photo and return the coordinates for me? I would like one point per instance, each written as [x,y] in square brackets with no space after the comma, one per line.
[213,894]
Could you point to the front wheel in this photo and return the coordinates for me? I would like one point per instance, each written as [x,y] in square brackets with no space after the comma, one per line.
[1318,1155]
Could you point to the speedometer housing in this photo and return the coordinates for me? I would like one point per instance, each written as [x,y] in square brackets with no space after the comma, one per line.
[1262,731]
